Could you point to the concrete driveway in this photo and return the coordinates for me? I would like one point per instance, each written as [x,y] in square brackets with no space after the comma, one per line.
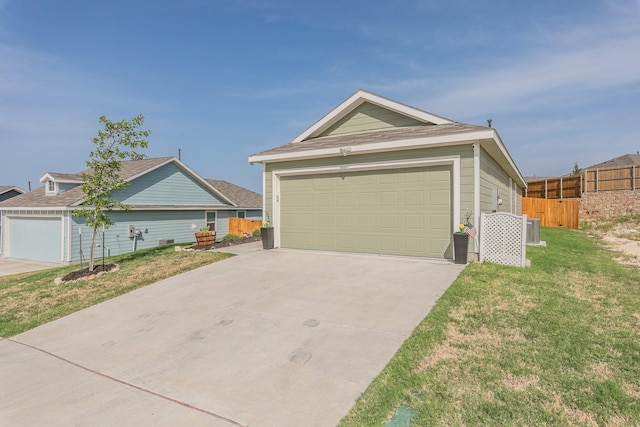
[10,266]
[267,338]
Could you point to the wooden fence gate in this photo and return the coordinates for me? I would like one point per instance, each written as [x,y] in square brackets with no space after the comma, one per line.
[239,226]
[552,213]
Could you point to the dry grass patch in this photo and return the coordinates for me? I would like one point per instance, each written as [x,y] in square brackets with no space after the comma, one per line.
[31,299]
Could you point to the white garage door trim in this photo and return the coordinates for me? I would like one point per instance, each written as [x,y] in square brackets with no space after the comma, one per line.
[10,227]
[356,167]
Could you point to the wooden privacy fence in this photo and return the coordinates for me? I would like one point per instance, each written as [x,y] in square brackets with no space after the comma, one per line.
[239,226]
[591,181]
[555,188]
[611,179]
[552,213]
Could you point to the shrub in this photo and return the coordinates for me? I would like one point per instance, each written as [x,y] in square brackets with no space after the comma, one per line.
[256,233]
[230,238]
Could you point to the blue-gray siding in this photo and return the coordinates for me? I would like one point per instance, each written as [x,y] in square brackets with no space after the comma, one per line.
[153,225]
[167,185]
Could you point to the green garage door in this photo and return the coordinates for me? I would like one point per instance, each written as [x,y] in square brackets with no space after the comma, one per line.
[38,239]
[394,212]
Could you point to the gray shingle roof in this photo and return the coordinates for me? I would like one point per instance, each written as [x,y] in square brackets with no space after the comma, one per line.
[38,199]
[372,137]
[240,196]
[625,160]
[65,177]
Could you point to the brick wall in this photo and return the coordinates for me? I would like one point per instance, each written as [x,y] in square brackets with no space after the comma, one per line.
[609,203]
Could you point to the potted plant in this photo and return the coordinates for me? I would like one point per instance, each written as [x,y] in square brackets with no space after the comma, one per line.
[266,232]
[205,237]
[460,245]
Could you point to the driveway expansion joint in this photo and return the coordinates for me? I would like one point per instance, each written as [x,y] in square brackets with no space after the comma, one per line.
[128,384]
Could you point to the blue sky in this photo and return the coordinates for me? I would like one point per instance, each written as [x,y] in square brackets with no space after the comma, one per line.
[224,79]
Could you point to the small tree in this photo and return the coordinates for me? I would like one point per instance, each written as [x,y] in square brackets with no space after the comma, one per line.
[577,170]
[115,143]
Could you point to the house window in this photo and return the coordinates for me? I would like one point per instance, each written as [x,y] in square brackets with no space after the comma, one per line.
[51,187]
[211,220]
[241,214]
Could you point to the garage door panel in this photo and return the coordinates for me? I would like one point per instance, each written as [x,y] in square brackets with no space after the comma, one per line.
[441,197]
[388,211]
[35,238]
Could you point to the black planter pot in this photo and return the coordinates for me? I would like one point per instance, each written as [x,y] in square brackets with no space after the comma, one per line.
[460,247]
[266,233]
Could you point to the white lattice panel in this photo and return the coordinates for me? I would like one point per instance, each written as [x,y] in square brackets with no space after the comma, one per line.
[503,238]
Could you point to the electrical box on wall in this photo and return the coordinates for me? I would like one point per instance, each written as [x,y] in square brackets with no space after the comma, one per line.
[132,231]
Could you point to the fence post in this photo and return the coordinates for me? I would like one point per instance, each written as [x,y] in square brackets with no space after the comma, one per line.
[633,177]
[560,188]
[545,188]
[595,181]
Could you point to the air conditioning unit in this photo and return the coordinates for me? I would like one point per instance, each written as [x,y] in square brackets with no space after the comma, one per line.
[533,231]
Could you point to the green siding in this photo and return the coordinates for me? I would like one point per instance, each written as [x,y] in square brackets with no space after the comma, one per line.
[167,185]
[368,116]
[492,179]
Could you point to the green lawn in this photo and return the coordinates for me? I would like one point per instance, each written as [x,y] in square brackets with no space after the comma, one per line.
[554,344]
[28,300]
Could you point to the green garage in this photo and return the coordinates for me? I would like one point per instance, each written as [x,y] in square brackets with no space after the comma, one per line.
[380,177]
[393,212]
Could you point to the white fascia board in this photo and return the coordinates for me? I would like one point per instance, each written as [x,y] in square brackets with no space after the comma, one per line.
[46,177]
[363,96]
[375,147]
[507,156]
[31,208]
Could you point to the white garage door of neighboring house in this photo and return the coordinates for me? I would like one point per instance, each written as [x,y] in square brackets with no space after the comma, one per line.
[394,211]
[35,238]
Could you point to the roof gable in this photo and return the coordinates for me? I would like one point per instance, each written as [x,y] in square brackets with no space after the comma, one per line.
[343,114]
[129,171]
[168,185]
[367,117]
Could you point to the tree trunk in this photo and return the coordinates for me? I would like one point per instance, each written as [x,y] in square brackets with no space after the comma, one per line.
[92,250]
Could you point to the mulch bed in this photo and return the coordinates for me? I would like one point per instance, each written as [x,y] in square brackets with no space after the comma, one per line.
[81,274]
[226,243]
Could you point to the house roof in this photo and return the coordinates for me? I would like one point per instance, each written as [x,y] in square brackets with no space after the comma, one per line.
[72,178]
[357,99]
[7,188]
[625,160]
[239,196]
[331,144]
[129,170]
[426,130]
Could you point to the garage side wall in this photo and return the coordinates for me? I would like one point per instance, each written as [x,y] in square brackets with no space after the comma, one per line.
[465,153]
[496,186]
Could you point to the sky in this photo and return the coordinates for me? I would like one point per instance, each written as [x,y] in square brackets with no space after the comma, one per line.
[220,80]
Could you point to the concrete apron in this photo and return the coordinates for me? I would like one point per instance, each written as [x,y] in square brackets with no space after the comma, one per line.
[266,338]
[9,266]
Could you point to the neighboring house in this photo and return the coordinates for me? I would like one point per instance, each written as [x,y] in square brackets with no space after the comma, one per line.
[377,176]
[168,202]
[622,161]
[9,191]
